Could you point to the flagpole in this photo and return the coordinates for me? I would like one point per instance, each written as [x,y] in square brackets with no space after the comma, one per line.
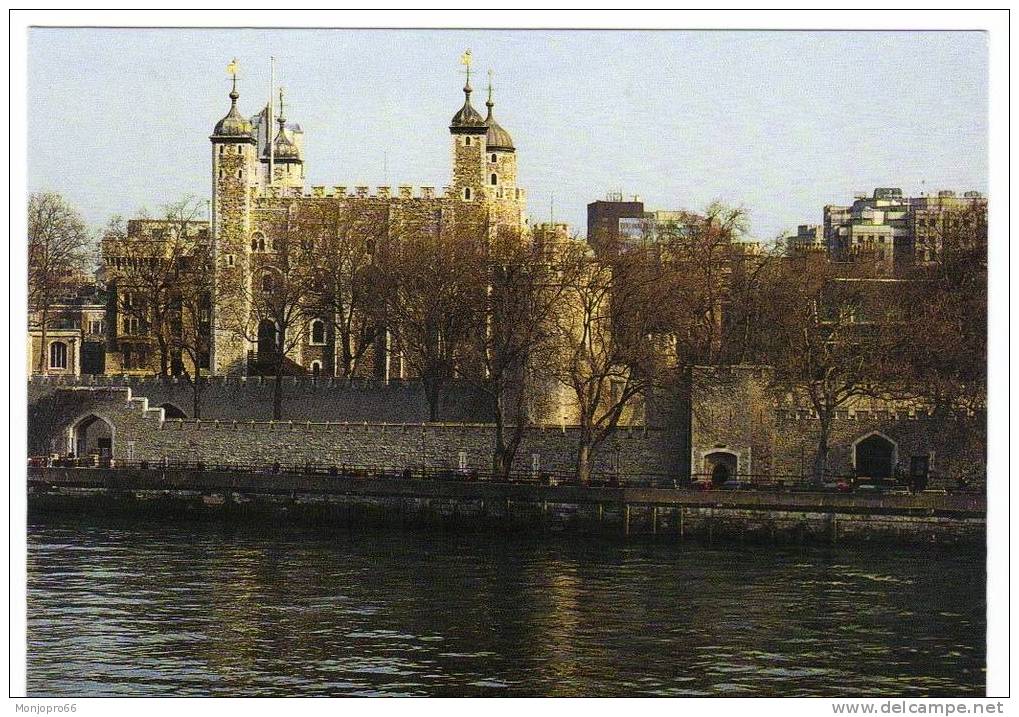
[268,116]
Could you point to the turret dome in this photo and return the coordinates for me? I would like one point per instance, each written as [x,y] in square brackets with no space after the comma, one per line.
[497,138]
[234,124]
[467,120]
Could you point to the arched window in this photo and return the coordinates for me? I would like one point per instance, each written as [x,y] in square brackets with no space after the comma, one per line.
[494,158]
[467,192]
[316,368]
[268,282]
[258,242]
[467,141]
[318,332]
[495,179]
[58,354]
[222,147]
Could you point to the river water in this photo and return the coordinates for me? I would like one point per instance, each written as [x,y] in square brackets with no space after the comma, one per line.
[120,608]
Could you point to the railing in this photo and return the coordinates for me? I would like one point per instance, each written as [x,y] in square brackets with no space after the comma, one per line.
[698,481]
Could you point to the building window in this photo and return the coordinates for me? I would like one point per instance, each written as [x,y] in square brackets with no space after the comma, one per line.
[222,174]
[228,259]
[268,282]
[316,368]
[494,179]
[95,327]
[258,242]
[58,354]
[494,158]
[238,174]
[467,141]
[132,326]
[222,147]
[318,332]
[467,192]
[127,300]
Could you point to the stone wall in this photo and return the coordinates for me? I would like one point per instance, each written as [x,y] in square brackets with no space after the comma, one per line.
[304,399]
[739,411]
[141,432]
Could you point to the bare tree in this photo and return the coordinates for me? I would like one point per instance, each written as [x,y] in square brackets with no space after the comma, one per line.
[517,309]
[59,245]
[148,273]
[944,341]
[193,334]
[346,286]
[605,350]
[430,280]
[274,309]
[829,338]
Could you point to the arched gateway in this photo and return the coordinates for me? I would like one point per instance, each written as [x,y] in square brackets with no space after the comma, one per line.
[721,466]
[90,435]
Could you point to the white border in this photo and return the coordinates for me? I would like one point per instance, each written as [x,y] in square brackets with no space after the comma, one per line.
[995,22]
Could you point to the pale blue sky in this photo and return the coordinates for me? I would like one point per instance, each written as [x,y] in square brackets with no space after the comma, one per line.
[780,122]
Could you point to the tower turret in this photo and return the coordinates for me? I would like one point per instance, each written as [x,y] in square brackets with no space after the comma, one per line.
[288,164]
[501,158]
[233,174]
[469,130]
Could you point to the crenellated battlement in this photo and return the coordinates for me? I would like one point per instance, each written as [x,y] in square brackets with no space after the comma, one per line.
[402,192]
[304,382]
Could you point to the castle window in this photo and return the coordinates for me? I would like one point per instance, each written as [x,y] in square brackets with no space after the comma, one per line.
[222,174]
[228,259]
[316,368]
[268,282]
[221,148]
[467,192]
[238,174]
[58,354]
[318,332]
[494,158]
[495,179]
[258,242]
[467,141]
[132,326]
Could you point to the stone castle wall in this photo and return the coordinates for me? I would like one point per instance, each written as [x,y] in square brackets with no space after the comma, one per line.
[304,399]
[738,411]
[141,432]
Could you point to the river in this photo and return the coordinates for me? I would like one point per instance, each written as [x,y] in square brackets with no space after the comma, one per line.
[118,608]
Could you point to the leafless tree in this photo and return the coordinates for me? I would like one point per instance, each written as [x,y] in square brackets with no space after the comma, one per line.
[149,273]
[829,337]
[59,244]
[274,309]
[430,279]
[192,307]
[517,309]
[605,351]
[346,288]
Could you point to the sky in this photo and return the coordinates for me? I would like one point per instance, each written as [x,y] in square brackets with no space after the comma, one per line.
[780,123]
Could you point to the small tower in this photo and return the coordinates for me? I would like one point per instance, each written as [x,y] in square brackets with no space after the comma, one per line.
[288,165]
[501,155]
[233,174]
[469,130]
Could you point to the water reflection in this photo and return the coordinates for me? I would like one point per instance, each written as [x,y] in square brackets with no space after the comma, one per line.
[200,609]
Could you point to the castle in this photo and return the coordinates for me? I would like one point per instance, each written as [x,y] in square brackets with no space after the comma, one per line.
[258,187]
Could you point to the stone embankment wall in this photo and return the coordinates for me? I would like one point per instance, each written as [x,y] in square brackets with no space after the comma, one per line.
[160,494]
[141,432]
